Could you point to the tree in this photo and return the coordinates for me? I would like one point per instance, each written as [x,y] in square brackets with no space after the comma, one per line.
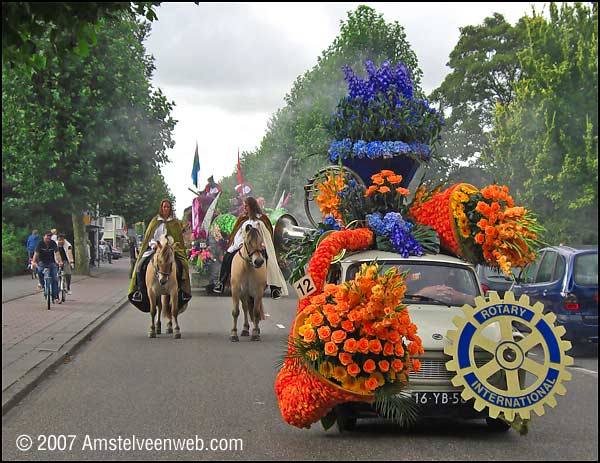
[66,25]
[300,129]
[485,69]
[95,123]
[545,142]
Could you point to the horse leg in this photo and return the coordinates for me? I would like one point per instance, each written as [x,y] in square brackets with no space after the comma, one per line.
[161,305]
[255,319]
[174,313]
[151,332]
[170,322]
[246,330]
[235,313]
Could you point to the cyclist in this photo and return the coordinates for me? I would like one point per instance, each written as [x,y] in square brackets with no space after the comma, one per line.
[48,255]
[66,253]
[32,242]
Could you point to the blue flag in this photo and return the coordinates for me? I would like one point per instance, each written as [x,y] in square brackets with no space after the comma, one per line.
[196,167]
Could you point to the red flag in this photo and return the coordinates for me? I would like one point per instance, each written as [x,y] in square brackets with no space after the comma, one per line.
[240,181]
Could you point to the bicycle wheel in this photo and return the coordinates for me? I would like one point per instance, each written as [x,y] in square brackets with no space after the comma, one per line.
[62,292]
[48,289]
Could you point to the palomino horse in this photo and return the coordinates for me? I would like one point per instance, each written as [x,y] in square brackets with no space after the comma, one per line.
[248,283]
[161,281]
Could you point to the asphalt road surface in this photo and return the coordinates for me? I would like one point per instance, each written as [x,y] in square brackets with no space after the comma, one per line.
[123,387]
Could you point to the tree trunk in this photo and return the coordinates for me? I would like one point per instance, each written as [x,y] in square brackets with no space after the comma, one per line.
[82,259]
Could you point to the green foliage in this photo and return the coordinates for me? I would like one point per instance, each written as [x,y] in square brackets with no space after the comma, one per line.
[545,142]
[299,129]
[484,71]
[69,26]
[14,250]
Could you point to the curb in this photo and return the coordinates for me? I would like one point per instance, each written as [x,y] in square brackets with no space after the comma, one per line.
[16,392]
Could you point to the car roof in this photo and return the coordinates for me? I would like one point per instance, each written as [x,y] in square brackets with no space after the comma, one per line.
[373,254]
[575,249]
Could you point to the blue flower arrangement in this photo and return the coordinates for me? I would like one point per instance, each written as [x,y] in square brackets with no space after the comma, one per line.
[381,118]
[345,149]
[392,228]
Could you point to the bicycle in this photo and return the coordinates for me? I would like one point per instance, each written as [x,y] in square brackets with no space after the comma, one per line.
[47,286]
[62,290]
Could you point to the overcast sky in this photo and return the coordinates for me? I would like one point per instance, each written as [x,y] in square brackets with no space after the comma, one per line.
[228,66]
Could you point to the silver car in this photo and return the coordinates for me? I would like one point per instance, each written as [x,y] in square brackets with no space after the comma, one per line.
[437,286]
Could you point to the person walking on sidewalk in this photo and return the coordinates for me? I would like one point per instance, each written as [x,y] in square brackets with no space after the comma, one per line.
[66,253]
[163,224]
[133,255]
[48,255]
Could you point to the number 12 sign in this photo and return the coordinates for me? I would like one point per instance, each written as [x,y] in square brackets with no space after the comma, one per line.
[305,286]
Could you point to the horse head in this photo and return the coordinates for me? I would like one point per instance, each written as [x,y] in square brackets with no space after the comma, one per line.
[253,246]
[163,259]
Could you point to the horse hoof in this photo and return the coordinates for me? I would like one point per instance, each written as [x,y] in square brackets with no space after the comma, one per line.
[152,335]
[169,330]
[255,337]
[234,338]
[245,333]
[177,336]
[158,331]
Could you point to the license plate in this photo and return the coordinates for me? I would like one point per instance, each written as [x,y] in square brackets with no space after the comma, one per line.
[442,399]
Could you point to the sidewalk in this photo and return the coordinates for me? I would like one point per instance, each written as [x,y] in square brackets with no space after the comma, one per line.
[36,340]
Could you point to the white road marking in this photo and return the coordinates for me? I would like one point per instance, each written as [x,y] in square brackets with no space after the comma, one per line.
[280,326]
[586,371]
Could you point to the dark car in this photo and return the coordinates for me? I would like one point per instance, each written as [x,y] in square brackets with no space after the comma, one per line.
[116,252]
[565,280]
[493,279]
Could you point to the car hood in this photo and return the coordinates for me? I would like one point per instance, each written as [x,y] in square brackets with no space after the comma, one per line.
[434,321]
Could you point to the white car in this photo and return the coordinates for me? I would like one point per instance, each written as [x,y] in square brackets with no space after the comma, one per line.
[431,307]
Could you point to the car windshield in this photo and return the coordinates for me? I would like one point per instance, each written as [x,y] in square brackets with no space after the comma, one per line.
[497,274]
[437,283]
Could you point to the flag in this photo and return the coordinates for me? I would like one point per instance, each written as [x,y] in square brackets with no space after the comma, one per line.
[240,181]
[196,167]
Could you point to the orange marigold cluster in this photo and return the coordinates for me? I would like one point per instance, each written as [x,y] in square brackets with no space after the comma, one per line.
[438,214]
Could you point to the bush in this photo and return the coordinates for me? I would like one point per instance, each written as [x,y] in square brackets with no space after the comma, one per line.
[10,266]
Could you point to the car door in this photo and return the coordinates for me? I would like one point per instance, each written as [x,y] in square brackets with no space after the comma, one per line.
[545,284]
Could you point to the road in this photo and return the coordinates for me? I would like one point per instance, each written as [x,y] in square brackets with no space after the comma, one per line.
[122,384]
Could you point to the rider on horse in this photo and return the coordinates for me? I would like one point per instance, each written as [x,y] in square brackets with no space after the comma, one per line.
[164,223]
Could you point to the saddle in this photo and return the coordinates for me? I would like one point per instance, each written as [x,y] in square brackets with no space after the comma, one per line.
[144,304]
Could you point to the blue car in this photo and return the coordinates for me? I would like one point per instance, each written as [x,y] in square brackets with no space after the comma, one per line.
[565,280]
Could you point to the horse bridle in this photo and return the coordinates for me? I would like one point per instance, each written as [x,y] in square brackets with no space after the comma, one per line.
[248,259]
[157,272]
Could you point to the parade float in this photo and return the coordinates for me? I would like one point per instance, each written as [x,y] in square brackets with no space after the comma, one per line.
[354,341]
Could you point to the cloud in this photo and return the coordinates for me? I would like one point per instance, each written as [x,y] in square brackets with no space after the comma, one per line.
[229,53]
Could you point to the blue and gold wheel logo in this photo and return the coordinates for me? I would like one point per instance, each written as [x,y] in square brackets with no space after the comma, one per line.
[513,381]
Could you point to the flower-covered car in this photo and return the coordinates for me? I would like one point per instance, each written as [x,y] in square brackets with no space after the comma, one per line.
[436,287]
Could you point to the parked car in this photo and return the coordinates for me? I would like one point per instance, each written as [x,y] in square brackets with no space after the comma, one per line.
[116,252]
[565,280]
[494,279]
[431,387]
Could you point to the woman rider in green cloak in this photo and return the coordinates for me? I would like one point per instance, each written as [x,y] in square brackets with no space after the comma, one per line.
[163,223]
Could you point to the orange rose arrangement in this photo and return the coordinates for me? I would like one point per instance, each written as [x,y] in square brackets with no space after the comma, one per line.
[359,334]
[306,386]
